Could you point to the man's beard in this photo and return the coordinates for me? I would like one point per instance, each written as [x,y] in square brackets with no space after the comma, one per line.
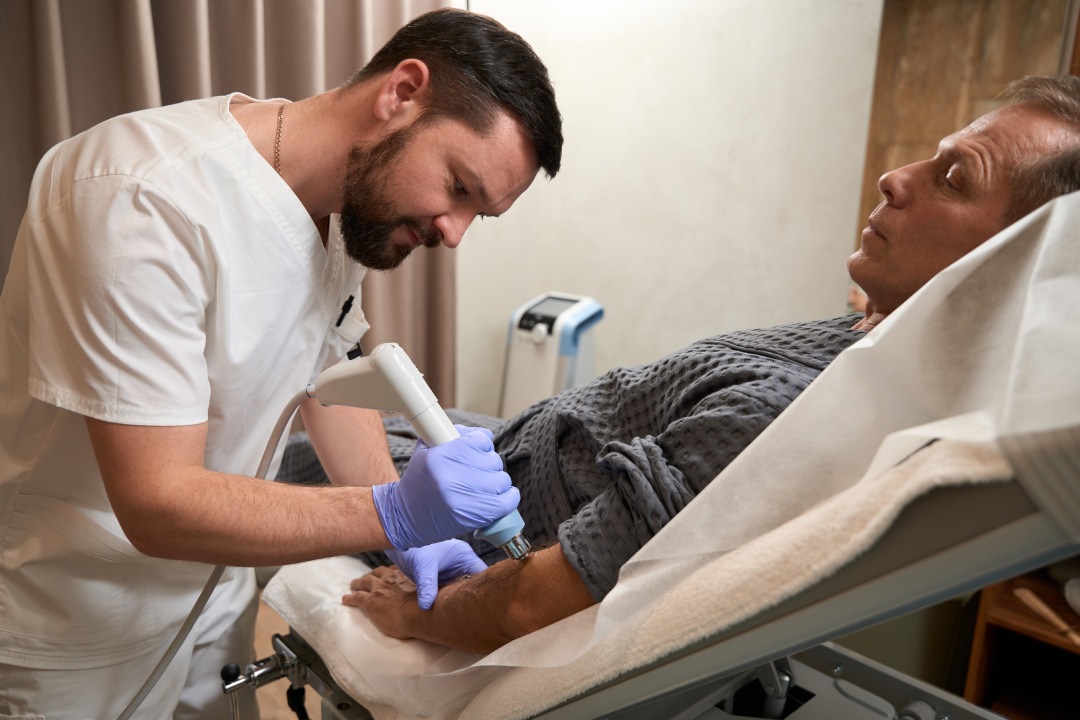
[368,216]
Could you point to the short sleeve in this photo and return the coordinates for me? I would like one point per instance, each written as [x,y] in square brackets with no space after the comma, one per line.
[119,281]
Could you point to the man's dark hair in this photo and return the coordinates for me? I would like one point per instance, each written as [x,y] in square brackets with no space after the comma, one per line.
[1040,180]
[477,67]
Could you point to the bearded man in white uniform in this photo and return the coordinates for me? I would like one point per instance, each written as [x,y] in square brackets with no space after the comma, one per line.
[178,275]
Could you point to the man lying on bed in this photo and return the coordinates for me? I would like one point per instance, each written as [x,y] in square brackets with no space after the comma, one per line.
[603,467]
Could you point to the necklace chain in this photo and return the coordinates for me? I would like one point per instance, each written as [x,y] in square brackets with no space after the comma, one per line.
[277,138]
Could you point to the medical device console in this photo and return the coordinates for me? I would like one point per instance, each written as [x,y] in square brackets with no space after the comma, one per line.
[550,349]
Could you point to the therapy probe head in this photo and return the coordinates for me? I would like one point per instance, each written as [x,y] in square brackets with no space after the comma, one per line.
[386,379]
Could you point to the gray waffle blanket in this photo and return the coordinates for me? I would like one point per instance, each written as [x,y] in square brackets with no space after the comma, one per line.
[603,467]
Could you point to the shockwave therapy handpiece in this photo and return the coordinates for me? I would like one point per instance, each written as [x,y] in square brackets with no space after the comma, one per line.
[386,379]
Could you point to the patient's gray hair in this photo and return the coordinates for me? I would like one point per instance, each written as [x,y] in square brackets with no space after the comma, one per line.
[1043,179]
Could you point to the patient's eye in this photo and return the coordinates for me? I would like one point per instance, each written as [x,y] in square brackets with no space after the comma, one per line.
[952,180]
[460,189]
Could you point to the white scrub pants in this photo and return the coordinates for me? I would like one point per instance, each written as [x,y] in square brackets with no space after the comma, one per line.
[190,689]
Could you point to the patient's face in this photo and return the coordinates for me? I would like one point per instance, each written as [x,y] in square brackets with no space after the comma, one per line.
[937,210]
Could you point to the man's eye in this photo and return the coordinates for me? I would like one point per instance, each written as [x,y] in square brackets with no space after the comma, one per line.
[459,189]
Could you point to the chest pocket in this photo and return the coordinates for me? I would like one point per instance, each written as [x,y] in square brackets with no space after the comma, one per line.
[348,327]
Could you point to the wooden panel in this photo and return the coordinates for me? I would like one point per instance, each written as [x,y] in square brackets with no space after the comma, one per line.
[1020,37]
[1074,64]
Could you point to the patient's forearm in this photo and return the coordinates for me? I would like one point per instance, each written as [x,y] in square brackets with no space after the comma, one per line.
[479,613]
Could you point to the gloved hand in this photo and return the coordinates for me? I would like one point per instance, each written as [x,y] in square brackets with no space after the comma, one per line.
[446,491]
[431,565]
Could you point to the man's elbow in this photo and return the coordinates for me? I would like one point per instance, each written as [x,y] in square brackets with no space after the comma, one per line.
[154,525]
[149,536]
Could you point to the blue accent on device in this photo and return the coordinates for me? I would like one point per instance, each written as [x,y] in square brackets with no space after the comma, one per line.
[581,316]
[502,530]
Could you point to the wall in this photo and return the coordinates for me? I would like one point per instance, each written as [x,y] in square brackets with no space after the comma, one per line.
[710,179]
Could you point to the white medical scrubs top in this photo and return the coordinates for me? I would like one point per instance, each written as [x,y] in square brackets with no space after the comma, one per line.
[163,275]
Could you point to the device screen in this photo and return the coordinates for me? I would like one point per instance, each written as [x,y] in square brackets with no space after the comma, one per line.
[551,307]
[545,312]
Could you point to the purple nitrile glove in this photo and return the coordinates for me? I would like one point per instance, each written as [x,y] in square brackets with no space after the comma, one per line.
[446,491]
[431,565]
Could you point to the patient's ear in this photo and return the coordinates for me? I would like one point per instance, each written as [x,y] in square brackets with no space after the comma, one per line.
[402,93]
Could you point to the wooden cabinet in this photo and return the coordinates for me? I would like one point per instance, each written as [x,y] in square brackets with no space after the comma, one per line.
[1021,667]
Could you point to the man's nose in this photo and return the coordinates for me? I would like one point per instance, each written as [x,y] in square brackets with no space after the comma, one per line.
[895,185]
[452,227]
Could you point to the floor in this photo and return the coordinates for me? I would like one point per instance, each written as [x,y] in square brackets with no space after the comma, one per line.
[272,704]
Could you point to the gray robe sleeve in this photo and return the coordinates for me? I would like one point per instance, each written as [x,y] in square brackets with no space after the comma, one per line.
[660,433]
[652,478]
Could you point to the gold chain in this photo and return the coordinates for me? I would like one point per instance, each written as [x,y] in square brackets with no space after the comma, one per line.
[277,138]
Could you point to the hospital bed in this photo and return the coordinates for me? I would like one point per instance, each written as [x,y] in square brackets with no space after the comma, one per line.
[937,549]
[907,569]
[958,466]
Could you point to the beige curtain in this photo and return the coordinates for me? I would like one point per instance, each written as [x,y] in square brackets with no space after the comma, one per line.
[66,65]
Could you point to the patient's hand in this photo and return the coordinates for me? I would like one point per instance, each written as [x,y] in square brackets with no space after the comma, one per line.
[388,598]
[475,613]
